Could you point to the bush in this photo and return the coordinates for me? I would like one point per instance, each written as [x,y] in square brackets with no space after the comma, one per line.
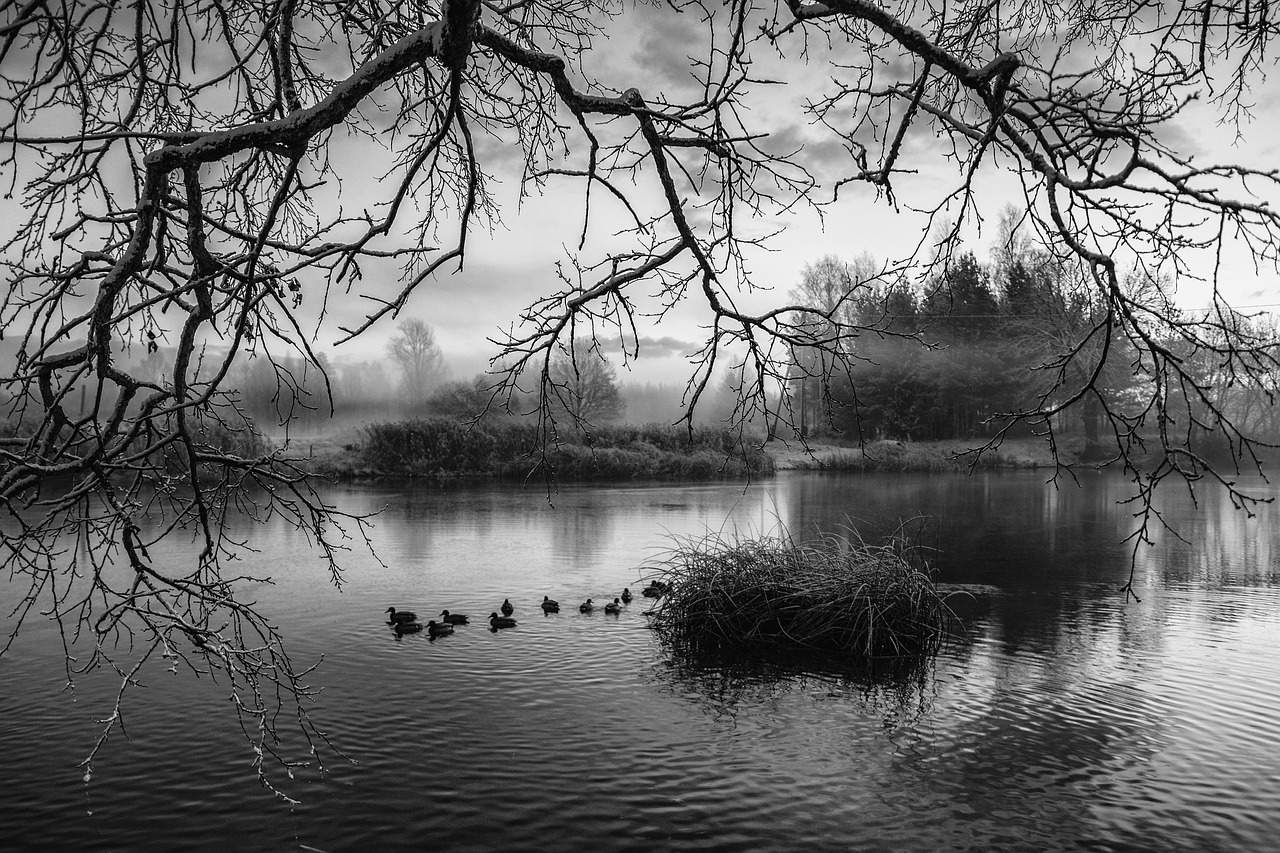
[235,436]
[840,595]
[443,448]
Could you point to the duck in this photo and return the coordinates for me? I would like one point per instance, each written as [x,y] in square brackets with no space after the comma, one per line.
[399,616]
[549,606]
[586,606]
[438,629]
[452,618]
[402,628]
[614,607]
[496,621]
[655,589]
[626,596]
[507,608]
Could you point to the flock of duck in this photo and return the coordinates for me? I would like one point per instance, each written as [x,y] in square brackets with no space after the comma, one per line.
[406,622]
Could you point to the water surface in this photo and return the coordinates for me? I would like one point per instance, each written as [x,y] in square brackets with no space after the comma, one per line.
[1074,720]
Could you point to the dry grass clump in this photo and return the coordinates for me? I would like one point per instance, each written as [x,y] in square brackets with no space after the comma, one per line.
[840,594]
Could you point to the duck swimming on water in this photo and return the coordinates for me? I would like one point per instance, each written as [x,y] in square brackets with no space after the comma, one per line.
[496,621]
[439,629]
[507,608]
[626,596]
[586,606]
[614,607]
[549,606]
[400,616]
[452,618]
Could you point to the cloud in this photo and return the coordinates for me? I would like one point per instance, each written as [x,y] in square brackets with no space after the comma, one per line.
[819,150]
[664,44]
[665,347]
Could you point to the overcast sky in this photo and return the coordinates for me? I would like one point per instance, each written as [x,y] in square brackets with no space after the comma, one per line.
[650,49]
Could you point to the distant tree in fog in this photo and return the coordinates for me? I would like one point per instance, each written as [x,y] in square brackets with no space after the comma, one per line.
[283,391]
[365,389]
[465,399]
[584,385]
[414,349]
[995,330]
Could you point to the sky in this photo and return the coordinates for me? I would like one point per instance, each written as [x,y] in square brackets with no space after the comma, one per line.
[506,269]
[650,47]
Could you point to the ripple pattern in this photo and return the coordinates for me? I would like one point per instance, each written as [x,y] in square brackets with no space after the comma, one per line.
[1070,723]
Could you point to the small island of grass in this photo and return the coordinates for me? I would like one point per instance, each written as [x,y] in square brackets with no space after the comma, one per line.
[839,595]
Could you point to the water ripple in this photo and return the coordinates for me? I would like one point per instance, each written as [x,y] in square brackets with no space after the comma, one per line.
[1071,722]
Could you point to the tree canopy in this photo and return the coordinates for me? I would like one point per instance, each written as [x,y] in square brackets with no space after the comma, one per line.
[181,175]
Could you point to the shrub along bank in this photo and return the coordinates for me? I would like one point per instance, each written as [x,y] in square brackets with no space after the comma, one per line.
[445,449]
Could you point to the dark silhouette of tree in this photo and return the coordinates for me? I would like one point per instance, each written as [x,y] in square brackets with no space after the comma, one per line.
[1031,290]
[179,171]
[960,306]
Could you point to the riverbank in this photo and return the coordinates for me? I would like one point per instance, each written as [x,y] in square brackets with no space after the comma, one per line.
[913,456]
[450,451]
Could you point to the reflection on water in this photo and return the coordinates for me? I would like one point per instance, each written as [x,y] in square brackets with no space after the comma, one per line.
[1073,720]
[722,683]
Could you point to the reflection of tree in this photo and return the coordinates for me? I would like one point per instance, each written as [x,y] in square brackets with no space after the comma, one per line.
[1014,532]
[582,527]
[1022,756]
[1219,548]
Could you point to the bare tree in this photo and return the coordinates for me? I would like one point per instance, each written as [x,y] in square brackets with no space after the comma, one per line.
[179,172]
[849,291]
[585,385]
[845,301]
[421,362]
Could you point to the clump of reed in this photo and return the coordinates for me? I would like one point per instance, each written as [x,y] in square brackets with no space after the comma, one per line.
[838,594]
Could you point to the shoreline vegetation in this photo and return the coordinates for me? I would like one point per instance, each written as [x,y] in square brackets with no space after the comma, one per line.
[446,450]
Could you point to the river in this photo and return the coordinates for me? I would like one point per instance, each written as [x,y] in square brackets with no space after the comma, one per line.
[1072,719]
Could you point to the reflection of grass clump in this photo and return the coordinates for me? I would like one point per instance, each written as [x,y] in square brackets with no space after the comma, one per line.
[838,595]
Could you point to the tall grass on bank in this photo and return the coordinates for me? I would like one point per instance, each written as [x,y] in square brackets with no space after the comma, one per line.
[841,594]
[447,449]
[896,456]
